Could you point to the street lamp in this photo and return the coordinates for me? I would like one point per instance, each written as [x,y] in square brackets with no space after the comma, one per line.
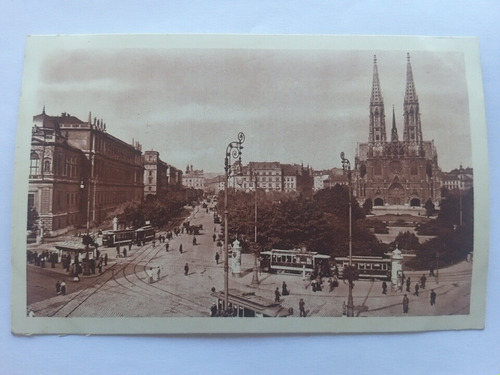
[255,277]
[233,151]
[346,167]
[460,196]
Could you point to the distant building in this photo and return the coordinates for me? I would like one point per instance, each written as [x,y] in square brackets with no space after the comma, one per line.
[275,176]
[159,176]
[193,179]
[392,171]
[458,179]
[336,176]
[79,173]
[155,173]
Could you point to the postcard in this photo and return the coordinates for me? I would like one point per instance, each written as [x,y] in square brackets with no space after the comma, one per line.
[241,184]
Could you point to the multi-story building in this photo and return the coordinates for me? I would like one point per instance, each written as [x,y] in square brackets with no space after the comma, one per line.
[155,173]
[458,179]
[335,176]
[193,179]
[57,170]
[79,173]
[393,171]
[159,176]
[274,176]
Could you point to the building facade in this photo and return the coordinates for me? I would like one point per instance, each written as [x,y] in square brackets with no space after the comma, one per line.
[458,179]
[55,188]
[159,177]
[79,173]
[193,179]
[390,171]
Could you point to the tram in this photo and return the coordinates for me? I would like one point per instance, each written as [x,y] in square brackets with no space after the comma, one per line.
[144,234]
[118,237]
[128,236]
[369,267]
[249,305]
[292,261]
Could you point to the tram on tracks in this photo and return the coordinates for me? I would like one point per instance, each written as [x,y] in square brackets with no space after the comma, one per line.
[144,234]
[127,236]
[248,305]
[292,261]
[369,267]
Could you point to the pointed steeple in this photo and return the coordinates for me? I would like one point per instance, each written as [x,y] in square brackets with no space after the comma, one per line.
[43,111]
[410,92]
[394,130]
[377,132]
[412,132]
[376,97]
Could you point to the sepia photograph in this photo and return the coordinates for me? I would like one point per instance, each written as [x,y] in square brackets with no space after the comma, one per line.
[197,182]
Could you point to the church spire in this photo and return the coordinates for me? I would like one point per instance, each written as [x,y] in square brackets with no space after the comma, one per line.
[377,114]
[412,127]
[376,92]
[394,130]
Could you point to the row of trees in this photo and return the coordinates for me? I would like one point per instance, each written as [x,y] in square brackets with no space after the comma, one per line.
[289,221]
[159,209]
[454,231]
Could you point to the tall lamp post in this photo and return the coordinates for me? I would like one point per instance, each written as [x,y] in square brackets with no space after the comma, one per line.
[346,167]
[255,277]
[233,151]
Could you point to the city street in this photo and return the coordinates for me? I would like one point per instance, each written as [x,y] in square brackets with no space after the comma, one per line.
[124,288]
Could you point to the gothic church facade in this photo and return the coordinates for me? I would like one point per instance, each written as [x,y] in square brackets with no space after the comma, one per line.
[394,172]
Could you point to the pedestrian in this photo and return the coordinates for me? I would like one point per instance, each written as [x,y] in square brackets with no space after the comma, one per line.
[416,290]
[166,247]
[117,251]
[58,287]
[433,297]
[302,308]
[217,258]
[284,290]
[154,243]
[194,240]
[423,279]
[180,248]
[99,265]
[406,304]
[313,285]
[124,252]
[277,295]
[105,259]
[214,237]
[63,288]
[384,287]
[213,310]
[130,246]
[431,271]
[408,283]
[186,269]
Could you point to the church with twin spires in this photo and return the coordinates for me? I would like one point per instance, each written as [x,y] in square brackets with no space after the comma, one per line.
[393,171]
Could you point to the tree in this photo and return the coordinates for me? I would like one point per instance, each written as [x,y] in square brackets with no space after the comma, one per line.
[367,206]
[407,241]
[336,201]
[429,207]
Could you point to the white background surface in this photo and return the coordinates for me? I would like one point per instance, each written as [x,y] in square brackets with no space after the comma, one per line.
[462,352]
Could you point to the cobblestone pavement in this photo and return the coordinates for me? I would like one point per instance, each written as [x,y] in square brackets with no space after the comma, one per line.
[124,288]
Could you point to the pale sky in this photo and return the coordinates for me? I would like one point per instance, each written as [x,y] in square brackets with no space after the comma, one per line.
[294,106]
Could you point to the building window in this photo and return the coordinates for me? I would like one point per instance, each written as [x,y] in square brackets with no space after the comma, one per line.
[34,164]
[46,165]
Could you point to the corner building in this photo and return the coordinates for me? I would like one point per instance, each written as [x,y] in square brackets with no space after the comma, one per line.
[394,172]
[79,173]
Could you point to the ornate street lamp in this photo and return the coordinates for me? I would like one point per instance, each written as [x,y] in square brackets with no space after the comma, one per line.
[255,276]
[346,167]
[233,151]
